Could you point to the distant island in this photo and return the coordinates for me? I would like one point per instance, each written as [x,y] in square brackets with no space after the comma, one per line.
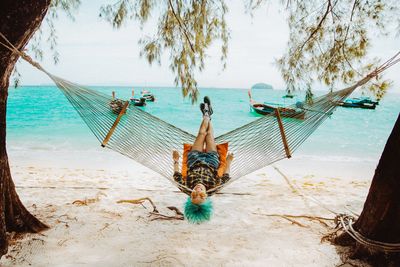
[262,86]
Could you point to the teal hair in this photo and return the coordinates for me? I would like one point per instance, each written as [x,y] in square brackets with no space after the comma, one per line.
[198,213]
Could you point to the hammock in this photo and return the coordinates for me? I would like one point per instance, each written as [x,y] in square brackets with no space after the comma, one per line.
[150,140]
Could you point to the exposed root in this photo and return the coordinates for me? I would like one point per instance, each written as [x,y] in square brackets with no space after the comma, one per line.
[61,242]
[164,260]
[321,220]
[139,201]
[178,212]
[88,201]
[104,227]
[155,214]
[330,236]
[284,217]
[289,217]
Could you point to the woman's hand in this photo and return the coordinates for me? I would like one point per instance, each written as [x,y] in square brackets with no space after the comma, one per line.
[229,158]
[175,155]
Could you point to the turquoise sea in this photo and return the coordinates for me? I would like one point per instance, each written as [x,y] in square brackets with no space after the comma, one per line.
[41,118]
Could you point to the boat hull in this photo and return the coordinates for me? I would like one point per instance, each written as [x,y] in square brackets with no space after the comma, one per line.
[149,97]
[360,105]
[264,109]
[138,102]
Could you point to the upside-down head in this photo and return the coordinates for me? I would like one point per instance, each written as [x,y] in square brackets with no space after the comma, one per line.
[199,194]
[198,208]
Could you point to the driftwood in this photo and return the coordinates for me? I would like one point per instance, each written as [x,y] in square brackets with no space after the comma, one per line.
[88,201]
[289,217]
[155,214]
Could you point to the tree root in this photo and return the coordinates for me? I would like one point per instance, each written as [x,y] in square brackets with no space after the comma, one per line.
[289,217]
[88,201]
[343,239]
[155,214]
[330,237]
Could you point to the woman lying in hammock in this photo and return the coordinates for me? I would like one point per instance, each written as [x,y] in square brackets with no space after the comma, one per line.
[202,170]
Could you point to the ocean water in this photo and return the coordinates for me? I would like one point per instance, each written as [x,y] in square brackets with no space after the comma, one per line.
[39,118]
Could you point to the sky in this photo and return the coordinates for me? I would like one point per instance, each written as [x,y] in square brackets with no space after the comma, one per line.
[93,53]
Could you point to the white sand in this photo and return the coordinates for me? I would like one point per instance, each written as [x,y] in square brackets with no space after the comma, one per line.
[105,233]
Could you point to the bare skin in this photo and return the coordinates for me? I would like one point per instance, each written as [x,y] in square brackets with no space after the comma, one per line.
[205,138]
[229,159]
[201,136]
[210,141]
[199,194]
[175,156]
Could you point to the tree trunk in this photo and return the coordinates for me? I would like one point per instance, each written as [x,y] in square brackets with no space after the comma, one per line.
[380,218]
[19,19]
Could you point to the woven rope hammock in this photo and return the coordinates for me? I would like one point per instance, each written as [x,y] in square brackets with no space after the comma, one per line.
[150,140]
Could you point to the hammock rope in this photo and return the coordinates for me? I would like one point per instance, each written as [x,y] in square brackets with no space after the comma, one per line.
[150,140]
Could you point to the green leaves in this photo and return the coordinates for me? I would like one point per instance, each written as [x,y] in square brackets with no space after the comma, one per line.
[329,43]
[119,12]
[69,7]
[379,89]
[185,30]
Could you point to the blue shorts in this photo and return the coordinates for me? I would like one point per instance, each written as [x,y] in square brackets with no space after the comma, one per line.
[210,158]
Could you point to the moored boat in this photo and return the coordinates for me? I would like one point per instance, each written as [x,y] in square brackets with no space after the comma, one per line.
[116,105]
[363,99]
[138,102]
[148,96]
[361,102]
[264,109]
[288,95]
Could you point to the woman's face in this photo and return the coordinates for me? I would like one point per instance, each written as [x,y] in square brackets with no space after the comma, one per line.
[199,194]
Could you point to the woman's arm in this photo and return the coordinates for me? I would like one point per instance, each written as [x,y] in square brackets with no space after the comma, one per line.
[229,159]
[225,177]
[177,174]
[175,156]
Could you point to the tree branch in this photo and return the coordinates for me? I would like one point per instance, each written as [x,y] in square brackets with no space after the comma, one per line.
[318,26]
[183,30]
[345,39]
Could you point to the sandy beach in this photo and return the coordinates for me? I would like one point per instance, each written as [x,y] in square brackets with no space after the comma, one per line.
[241,233]
[67,180]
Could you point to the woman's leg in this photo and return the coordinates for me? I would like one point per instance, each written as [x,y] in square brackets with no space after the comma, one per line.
[210,141]
[201,136]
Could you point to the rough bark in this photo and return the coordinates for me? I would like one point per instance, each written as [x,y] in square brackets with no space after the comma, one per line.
[380,217]
[19,19]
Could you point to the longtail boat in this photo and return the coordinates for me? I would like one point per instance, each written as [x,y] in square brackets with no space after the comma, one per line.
[265,109]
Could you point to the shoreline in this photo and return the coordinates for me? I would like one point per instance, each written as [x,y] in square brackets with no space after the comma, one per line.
[104,233]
